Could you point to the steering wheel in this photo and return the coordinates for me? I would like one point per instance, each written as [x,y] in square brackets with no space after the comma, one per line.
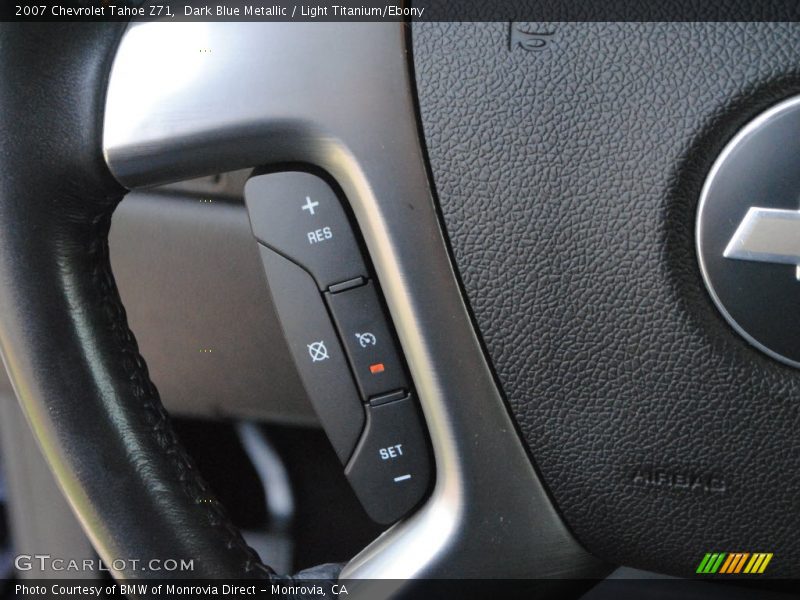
[529,210]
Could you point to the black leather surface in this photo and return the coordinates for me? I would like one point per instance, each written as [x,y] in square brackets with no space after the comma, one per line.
[74,363]
[568,178]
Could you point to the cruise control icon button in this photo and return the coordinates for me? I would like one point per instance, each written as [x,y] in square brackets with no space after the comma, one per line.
[366,339]
[368,342]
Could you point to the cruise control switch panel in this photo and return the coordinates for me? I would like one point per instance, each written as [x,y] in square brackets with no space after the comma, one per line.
[341,341]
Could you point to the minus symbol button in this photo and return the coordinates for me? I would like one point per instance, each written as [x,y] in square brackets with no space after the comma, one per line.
[402,478]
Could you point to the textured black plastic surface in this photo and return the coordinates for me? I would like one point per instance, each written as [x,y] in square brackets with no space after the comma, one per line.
[568,180]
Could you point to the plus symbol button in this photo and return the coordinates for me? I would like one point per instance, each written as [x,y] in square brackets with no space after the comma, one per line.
[309,205]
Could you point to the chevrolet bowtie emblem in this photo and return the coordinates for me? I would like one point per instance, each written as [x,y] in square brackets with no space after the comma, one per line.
[748,216]
[768,235]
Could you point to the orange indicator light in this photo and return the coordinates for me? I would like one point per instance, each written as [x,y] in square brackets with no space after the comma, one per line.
[376,368]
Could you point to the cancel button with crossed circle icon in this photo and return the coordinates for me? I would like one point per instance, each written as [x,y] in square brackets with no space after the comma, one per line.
[318,351]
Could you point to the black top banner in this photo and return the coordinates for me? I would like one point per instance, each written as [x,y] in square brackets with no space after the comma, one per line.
[535,11]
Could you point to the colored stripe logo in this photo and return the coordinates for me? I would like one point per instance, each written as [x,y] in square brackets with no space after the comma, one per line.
[734,563]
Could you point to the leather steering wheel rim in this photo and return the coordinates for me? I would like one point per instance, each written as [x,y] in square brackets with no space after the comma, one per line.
[72,358]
